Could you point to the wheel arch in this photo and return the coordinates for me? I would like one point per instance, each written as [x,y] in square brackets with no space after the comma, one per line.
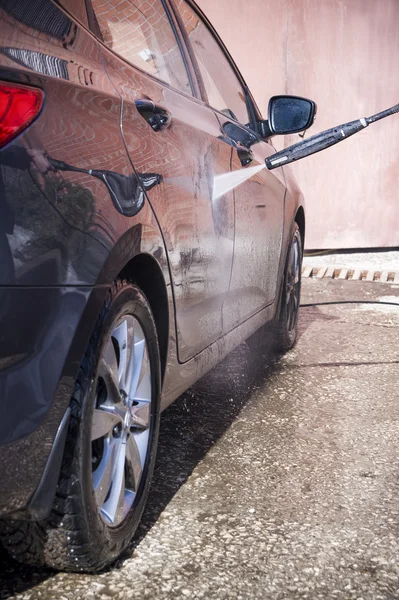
[140,257]
[144,271]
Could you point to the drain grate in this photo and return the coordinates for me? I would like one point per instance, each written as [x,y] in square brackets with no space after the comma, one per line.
[351,274]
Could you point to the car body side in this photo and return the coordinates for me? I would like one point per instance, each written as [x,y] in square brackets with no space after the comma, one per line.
[67,242]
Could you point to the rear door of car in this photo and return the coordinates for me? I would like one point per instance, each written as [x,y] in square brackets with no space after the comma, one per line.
[169,132]
[257,194]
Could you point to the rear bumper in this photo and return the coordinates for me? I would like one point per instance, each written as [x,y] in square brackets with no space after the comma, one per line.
[43,336]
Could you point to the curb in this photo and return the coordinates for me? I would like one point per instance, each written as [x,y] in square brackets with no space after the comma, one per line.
[345,273]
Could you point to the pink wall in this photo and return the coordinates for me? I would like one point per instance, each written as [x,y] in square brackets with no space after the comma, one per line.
[344,54]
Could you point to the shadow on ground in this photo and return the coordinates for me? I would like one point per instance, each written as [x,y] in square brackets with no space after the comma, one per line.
[189,428]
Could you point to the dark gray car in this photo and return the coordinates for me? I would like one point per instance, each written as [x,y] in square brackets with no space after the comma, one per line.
[141,240]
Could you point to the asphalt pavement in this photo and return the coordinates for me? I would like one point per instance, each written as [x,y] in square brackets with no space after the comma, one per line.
[276,478]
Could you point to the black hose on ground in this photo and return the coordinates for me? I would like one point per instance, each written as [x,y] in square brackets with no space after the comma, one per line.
[349,302]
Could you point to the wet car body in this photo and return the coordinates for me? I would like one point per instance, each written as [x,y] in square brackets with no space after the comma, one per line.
[210,266]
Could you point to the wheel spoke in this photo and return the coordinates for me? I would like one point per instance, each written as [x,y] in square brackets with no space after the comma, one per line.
[288,295]
[120,334]
[127,380]
[112,505]
[128,501]
[291,313]
[296,264]
[293,309]
[296,301]
[123,334]
[110,360]
[109,372]
[102,476]
[134,461]
[291,264]
[138,357]
[120,507]
[143,390]
[141,415]
[103,423]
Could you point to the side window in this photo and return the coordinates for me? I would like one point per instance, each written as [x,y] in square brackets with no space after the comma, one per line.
[222,86]
[140,32]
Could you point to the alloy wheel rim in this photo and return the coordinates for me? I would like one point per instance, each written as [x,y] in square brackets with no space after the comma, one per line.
[292,295]
[120,431]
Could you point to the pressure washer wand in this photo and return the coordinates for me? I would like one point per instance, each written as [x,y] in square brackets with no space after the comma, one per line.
[325,139]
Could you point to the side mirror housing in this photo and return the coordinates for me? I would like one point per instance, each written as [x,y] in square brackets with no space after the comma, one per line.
[288,114]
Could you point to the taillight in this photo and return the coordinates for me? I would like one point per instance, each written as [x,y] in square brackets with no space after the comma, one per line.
[19,107]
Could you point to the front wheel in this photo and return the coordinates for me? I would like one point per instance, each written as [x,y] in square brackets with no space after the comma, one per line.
[286,327]
[281,334]
[110,450]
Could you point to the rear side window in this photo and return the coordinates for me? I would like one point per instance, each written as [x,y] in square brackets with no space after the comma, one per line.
[140,32]
[222,85]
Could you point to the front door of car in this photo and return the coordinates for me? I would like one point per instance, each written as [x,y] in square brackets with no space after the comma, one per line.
[257,194]
[259,220]
[170,134]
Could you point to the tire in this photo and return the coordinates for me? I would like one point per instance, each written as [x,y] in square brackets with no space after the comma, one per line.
[285,330]
[281,334]
[89,528]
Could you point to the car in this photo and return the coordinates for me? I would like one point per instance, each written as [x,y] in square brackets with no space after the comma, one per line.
[141,240]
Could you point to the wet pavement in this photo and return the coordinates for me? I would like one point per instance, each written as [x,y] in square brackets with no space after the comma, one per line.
[276,478]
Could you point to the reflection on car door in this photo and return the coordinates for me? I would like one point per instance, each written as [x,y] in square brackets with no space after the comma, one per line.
[169,133]
[259,199]
[259,212]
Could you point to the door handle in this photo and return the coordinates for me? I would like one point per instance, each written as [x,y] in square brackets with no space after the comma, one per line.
[156,116]
[241,138]
[245,155]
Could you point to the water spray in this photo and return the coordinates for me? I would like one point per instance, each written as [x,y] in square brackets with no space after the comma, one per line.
[228,181]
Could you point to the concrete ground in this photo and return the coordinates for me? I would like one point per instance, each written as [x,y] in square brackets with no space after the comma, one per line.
[276,478]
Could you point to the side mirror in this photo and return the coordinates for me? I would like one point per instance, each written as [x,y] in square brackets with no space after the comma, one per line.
[288,114]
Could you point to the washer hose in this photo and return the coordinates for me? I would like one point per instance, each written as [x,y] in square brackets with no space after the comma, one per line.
[349,302]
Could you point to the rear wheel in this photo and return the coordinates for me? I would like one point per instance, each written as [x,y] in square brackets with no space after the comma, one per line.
[110,450]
